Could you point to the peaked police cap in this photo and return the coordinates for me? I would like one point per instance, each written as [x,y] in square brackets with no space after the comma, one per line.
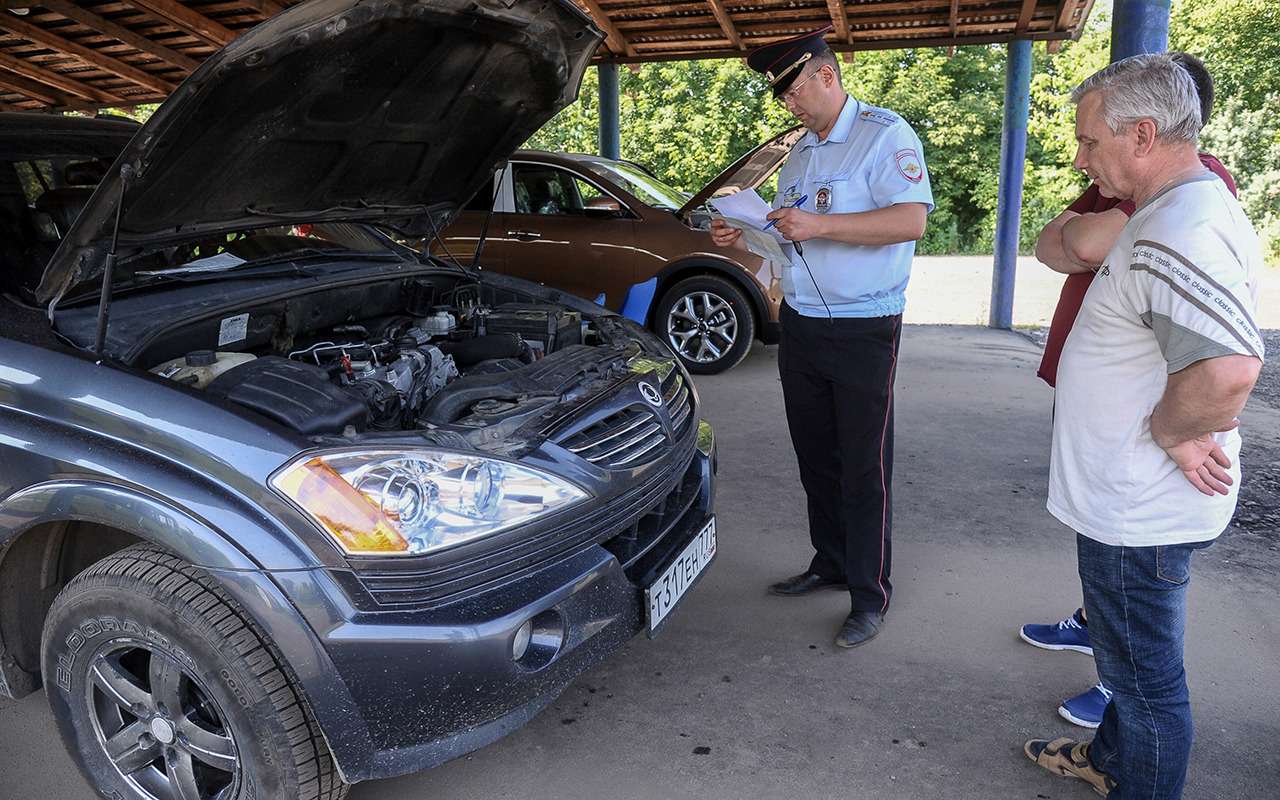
[782,62]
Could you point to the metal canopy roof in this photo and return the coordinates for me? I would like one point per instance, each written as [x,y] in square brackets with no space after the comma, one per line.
[90,54]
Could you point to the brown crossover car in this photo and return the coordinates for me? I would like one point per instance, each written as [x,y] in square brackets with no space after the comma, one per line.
[612,232]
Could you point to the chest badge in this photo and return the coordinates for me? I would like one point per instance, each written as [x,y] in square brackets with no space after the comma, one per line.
[822,200]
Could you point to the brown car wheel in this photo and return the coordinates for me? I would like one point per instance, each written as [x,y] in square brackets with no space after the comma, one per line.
[707,321]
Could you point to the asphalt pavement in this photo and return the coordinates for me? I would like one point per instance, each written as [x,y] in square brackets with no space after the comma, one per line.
[744,696]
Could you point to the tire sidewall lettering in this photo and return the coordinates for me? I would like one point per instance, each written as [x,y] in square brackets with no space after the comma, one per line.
[96,626]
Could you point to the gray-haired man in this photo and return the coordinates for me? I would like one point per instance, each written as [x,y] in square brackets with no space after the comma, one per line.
[1145,447]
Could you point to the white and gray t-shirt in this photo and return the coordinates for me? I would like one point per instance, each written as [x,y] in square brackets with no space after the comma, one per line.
[1179,286]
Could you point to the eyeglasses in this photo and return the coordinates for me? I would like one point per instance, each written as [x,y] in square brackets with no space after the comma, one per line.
[789,95]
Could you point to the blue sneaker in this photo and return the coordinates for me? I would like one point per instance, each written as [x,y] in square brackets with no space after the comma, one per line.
[1070,634]
[1086,709]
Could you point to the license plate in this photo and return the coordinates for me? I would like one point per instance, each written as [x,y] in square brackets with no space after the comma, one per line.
[663,594]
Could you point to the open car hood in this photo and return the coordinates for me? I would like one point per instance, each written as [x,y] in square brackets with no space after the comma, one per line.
[748,172]
[336,110]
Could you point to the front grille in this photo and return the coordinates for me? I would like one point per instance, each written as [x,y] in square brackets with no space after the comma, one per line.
[625,438]
[679,404]
[637,546]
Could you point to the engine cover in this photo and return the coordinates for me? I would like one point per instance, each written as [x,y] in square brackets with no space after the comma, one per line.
[294,394]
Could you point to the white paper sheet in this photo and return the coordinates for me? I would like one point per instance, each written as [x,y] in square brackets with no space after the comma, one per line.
[747,206]
[216,263]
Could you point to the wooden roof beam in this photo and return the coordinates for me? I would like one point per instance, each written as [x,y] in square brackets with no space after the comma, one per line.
[62,82]
[187,19]
[726,22]
[839,19]
[613,37]
[50,39]
[953,20]
[1085,7]
[267,8]
[1062,17]
[32,90]
[68,9]
[1024,18]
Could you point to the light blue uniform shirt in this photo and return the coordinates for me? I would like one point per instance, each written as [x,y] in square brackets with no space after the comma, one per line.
[871,159]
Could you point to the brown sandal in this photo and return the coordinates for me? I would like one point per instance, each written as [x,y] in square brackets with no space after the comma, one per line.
[1070,759]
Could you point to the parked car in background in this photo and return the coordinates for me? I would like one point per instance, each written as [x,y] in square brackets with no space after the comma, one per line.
[49,166]
[610,231]
[285,505]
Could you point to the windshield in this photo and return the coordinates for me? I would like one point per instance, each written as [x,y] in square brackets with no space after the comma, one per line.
[646,188]
[226,252]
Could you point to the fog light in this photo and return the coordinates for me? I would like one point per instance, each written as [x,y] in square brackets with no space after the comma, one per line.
[521,644]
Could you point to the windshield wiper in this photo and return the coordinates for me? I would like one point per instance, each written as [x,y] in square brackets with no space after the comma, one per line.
[361,205]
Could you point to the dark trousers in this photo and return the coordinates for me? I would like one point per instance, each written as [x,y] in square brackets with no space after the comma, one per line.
[837,381]
[1136,599]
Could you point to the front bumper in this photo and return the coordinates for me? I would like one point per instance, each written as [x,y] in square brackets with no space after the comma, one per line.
[435,683]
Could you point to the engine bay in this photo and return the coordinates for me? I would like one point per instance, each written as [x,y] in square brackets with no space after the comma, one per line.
[480,365]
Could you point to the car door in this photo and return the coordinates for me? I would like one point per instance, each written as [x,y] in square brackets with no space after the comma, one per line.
[463,234]
[565,230]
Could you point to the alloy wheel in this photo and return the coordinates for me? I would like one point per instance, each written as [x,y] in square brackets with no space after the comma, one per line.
[158,725]
[702,327]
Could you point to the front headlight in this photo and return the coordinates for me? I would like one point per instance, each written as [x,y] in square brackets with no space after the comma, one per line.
[410,502]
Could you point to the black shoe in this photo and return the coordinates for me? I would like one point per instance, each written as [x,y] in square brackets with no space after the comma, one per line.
[859,627]
[804,583]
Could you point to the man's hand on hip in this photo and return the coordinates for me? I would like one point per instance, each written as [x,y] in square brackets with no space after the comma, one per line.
[797,225]
[1203,464]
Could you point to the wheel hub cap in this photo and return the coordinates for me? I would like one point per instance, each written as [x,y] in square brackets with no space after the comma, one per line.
[163,730]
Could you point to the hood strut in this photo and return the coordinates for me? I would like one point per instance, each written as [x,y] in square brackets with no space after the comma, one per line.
[484,229]
[109,268]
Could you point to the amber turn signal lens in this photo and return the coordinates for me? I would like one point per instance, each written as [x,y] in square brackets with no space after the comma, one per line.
[351,518]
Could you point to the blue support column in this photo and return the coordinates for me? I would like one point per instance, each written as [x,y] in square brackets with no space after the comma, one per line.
[1139,26]
[1013,152]
[610,134]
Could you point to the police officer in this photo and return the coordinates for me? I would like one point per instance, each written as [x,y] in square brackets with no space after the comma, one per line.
[852,199]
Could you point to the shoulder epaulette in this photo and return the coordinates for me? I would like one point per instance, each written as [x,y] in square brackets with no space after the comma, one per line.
[879,116]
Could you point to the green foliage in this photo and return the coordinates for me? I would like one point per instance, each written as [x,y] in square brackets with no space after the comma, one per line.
[1247,141]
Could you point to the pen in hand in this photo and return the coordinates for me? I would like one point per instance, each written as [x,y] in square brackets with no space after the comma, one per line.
[796,204]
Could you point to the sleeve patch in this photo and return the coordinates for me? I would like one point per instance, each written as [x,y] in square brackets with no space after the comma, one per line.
[909,165]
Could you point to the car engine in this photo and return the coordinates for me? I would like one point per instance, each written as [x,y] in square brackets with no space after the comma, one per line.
[391,373]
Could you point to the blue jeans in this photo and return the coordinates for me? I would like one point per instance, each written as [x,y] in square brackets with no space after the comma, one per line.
[1136,601]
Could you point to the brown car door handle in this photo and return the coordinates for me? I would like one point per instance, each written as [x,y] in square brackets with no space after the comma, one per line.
[525,236]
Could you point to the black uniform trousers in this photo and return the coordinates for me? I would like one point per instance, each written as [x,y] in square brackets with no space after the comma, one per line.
[837,382]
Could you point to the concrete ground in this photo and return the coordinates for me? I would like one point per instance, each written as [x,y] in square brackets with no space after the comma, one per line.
[956,290]
[743,696]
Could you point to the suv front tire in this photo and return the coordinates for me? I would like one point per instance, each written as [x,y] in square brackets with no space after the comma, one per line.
[164,689]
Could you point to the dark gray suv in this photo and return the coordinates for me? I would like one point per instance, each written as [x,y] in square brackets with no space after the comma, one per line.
[284,505]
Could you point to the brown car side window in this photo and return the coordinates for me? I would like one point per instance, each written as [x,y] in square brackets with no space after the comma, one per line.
[546,190]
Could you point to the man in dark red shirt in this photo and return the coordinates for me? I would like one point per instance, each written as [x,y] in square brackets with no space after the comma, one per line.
[1075,243]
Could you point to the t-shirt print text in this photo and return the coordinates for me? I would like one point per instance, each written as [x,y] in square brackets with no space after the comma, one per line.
[1190,281]
[1104,270]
